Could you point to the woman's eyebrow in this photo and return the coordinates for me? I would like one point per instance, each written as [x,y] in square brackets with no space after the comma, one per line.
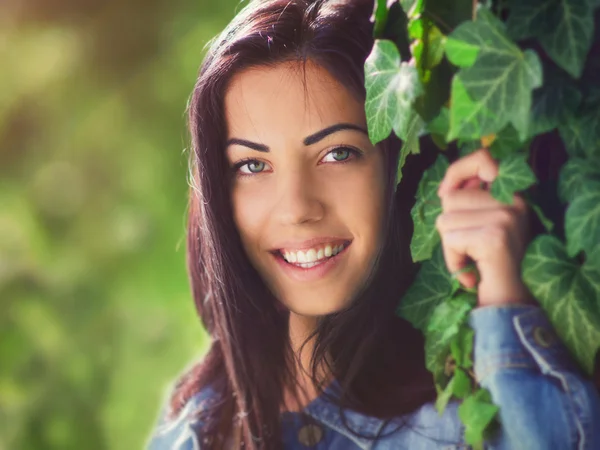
[309,140]
[316,137]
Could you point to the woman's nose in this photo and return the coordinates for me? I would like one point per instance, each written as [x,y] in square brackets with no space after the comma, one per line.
[300,199]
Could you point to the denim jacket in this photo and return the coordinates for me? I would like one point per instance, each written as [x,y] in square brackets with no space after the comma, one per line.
[545,403]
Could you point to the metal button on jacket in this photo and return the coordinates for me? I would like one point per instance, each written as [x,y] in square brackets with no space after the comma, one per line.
[310,435]
[543,337]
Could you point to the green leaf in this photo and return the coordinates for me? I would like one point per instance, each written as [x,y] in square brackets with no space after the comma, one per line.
[444,396]
[555,102]
[497,88]
[466,336]
[582,220]
[437,91]
[575,175]
[506,143]
[590,121]
[469,119]
[429,50]
[426,209]
[448,14]
[411,144]
[569,293]
[379,17]
[573,135]
[469,147]
[477,412]
[391,87]
[441,124]
[514,175]
[461,53]
[461,346]
[435,357]
[412,8]
[396,29]
[450,314]
[581,131]
[432,285]
[564,28]
[439,128]
[462,385]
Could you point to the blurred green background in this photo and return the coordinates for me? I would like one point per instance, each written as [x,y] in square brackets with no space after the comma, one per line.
[96,315]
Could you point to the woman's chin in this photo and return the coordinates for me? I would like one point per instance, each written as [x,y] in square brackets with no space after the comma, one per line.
[315,308]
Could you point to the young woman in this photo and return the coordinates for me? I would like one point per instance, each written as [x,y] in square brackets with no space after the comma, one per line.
[298,253]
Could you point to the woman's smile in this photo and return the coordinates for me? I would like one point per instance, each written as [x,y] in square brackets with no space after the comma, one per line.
[313,263]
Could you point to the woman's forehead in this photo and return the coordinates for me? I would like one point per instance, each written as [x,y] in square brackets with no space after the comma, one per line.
[287,97]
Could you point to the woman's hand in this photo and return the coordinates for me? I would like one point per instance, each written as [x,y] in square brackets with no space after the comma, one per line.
[475,227]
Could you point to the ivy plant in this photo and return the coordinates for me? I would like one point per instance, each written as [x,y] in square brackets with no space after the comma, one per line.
[499,75]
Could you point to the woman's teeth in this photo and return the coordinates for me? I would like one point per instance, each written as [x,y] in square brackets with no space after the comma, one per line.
[311,257]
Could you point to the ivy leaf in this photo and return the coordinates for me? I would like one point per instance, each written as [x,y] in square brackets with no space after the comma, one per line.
[461,346]
[395,29]
[439,128]
[449,315]
[441,124]
[379,17]
[391,87]
[514,174]
[564,28]
[466,148]
[437,91]
[506,143]
[590,121]
[448,14]
[573,135]
[444,396]
[432,285]
[497,88]
[575,175]
[555,102]
[435,357]
[462,383]
[461,53]
[404,152]
[582,220]
[429,49]
[569,293]
[426,209]
[459,386]
[581,132]
[412,8]
[411,144]
[476,412]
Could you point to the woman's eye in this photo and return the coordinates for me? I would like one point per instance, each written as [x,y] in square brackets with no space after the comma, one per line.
[339,154]
[250,166]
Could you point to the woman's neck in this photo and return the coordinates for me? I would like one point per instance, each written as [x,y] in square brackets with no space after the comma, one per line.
[300,327]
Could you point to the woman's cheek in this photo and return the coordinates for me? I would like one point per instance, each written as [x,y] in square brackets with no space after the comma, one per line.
[249,210]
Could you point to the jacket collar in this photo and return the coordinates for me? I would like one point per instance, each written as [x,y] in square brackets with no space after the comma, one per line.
[331,415]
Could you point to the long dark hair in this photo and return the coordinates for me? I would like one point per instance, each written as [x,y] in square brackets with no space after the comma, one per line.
[376,357]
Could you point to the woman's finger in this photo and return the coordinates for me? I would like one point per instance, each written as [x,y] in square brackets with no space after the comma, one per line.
[478,164]
[450,221]
[468,199]
[482,244]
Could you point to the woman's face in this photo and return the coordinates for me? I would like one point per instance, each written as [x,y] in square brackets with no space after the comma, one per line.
[308,185]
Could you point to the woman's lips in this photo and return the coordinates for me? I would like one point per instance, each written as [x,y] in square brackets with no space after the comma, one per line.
[312,273]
